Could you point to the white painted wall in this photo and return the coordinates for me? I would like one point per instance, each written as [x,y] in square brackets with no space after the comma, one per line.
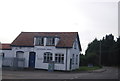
[40,50]
[7,53]
[75,52]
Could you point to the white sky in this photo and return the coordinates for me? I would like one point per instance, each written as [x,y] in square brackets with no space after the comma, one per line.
[91,18]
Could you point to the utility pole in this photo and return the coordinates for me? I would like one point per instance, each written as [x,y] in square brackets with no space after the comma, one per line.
[100,54]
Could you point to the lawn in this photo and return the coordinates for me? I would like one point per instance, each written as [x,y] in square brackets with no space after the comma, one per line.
[86,68]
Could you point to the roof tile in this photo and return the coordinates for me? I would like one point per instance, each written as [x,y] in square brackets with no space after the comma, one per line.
[5,47]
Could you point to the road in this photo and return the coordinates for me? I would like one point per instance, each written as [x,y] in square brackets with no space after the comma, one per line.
[107,73]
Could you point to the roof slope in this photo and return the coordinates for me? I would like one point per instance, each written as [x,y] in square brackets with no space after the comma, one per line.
[5,47]
[27,38]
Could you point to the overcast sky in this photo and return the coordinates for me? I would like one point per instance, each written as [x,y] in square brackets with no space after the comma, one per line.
[91,18]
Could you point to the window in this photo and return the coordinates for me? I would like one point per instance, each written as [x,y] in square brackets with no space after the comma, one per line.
[47,57]
[50,41]
[73,59]
[39,41]
[75,45]
[59,58]
[76,59]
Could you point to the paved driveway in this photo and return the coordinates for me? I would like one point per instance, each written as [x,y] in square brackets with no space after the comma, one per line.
[105,73]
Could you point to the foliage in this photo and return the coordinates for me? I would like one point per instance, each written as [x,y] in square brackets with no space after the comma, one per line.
[103,52]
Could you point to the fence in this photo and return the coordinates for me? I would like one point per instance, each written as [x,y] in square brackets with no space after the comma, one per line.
[14,63]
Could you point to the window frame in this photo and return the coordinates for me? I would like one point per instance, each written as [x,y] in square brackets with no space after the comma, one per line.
[76,59]
[59,58]
[50,41]
[39,41]
[73,58]
[48,57]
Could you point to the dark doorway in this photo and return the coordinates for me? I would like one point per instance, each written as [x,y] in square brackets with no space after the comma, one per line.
[32,59]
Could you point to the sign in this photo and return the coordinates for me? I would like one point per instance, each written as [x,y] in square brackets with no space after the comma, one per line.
[44,49]
[51,66]
[90,65]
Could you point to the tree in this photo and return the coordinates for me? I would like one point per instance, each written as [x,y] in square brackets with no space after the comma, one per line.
[92,52]
[109,52]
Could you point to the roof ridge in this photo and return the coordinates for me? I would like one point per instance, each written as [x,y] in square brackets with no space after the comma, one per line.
[49,32]
[5,43]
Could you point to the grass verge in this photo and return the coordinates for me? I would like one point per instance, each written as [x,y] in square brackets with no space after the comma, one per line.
[86,68]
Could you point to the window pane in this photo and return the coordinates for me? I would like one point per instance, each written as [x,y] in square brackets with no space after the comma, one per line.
[44,59]
[62,59]
[50,55]
[50,58]
[73,59]
[53,41]
[41,41]
[36,41]
[55,55]
[75,45]
[59,59]
[55,59]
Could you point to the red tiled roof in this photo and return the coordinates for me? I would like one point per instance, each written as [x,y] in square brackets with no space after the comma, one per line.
[27,38]
[5,47]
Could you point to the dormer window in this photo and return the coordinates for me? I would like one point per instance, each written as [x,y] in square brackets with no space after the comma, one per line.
[39,41]
[50,41]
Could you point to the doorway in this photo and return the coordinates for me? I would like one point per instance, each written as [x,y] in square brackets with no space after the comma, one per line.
[32,56]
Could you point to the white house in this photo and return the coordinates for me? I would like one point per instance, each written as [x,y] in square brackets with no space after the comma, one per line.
[41,48]
[6,52]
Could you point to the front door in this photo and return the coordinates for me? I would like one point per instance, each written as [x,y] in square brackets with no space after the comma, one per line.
[32,59]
